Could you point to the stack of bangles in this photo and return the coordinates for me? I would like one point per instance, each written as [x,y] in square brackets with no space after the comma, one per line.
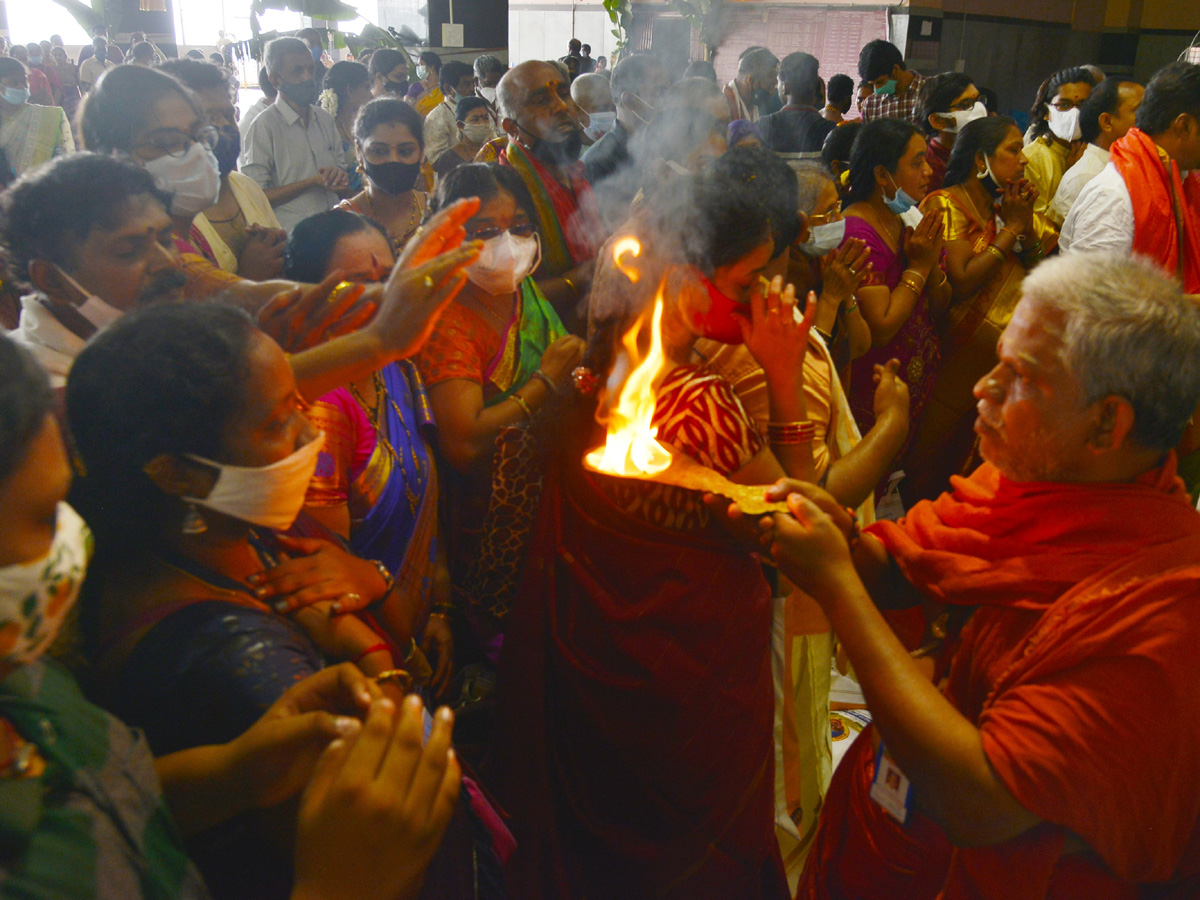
[786,433]
[911,283]
[545,379]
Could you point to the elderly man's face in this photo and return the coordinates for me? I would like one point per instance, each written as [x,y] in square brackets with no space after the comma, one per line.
[1032,423]
[542,103]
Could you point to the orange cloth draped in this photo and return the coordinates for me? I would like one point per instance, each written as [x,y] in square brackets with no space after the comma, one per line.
[1086,629]
[1155,189]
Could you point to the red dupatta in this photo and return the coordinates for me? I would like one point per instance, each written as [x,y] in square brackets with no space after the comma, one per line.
[1156,188]
[633,741]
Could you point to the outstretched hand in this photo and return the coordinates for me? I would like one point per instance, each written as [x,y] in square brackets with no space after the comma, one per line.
[376,808]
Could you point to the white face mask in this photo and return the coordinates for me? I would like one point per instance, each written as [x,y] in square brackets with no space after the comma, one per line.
[478,132]
[93,309]
[824,238]
[193,180]
[422,71]
[601,124]
[961,117]
[488,94]
[268,496]
[505,262]
[1065,125]
[36,597]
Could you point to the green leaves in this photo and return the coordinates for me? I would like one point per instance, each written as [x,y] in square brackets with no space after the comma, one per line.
[620,12]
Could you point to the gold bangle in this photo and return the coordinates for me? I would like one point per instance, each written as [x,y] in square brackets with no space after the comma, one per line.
[520,401]
[1016,237]
[398,676]
[995,251]
[923,278]
[915,288]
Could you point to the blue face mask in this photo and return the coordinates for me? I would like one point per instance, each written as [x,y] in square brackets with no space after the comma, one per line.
[889,88]
[15,96]
[901,203]
[316,52]
[35,60]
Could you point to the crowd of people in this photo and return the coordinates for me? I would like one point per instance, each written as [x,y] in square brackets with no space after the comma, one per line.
[294,403]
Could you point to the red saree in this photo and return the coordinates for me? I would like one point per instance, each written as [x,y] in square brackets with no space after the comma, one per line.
[633,747]
[1086,620]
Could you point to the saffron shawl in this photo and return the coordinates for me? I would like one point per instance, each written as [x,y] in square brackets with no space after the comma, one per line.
[1086,617]
[1159,193]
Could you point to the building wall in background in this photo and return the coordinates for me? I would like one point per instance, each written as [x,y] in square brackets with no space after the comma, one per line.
[542,30]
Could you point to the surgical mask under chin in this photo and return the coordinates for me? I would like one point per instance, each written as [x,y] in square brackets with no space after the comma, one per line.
[825,238]
[601,124]
[962,117]
[35,597]
[990,184]
[193,180]
[16,96]
[93,309]
[720,322]
[1065,125]
[268,496]
[901,203]
[504,262]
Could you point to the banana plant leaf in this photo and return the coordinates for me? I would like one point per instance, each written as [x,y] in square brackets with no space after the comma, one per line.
[333,10]
[83,13]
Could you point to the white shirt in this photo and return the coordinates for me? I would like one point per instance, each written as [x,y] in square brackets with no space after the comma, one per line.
[251,114]
[280,150]
[1102,217]
[1088,166]
[52,344]
[92,69]
[441,130]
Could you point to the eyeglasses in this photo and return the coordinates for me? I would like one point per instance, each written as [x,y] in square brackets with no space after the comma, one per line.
[825,218]
[176,143]
[1064,105]
[520,229]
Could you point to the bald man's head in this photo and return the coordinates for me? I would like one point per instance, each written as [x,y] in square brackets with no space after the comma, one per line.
[592,93]
[535,101]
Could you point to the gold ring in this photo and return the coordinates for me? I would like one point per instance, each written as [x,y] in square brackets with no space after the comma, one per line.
[428,283]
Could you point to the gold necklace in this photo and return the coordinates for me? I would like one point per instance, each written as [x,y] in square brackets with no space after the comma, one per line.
[974,208]
[380,427]
[393,236]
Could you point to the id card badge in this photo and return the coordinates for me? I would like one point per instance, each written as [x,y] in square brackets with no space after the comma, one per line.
[890,788]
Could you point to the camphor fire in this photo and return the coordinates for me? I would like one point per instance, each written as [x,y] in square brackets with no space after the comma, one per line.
[631,448]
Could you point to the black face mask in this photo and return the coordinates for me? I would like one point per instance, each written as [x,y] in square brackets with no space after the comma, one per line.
[302,93]
[766,101]
[228,148]
[393,177]
[562,153]
[396,88]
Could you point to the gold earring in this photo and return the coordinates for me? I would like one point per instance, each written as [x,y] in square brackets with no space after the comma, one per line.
[193,521]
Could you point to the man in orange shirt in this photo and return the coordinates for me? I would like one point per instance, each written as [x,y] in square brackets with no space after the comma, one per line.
[1065,570]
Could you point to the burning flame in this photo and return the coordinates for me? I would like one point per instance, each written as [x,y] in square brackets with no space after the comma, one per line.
[620,249]
[630,447]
